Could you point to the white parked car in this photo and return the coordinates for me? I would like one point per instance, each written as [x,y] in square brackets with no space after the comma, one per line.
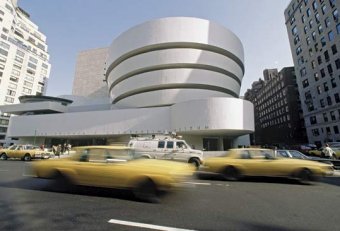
[166,149]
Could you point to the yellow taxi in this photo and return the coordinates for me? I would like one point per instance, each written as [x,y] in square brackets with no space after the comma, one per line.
[336,153]
[115,167]
[25,152]
[263,162]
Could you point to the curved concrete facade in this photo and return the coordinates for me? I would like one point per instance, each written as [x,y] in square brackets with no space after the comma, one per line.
[167,75]
[171,60]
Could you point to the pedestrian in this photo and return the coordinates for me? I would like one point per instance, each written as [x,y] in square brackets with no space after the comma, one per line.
[327,152]
[54,149]
[69,146]
[59,150]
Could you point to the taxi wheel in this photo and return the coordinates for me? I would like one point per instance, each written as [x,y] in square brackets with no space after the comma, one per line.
[195,162]
[146,190]
[305,176]
[27,157]
[231,173]
[3,156]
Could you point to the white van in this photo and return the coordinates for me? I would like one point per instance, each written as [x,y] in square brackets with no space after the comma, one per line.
[167,149]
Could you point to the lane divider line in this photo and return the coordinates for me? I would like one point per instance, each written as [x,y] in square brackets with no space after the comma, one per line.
[147,226]
[197,183]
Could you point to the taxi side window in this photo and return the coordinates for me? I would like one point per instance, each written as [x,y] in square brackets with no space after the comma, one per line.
[97,155]
[245,155]
[282,153]
[84,155]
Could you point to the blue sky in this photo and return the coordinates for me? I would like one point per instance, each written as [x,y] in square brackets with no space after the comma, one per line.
[72,26]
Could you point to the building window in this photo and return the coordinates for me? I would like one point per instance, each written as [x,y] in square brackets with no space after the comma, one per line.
[337,63]
[324,9]
[317,18]
[319,90]
[333,82]
[332,3]
[320,29]
[10,92]
[301,60]
[31,65]
[3,52]
[305,29]
[12,86]
[314,35]
[315,132]
[33,60]
[327,22]
[325,86]
[332,113]
[296,39]
[20,53]
[303,72]
[334,49]
[338,28]
[303,19]
[28,84]
[329,100]
[26,90]
[298,50]
[323,74]
[15,72]
[326,56]
[336,129]
[322,103]
[319,60]
[330,69]
[18,59]
[313,64]
[316,76]
[294,31]
[311,22]
[323,41]
[325,117]
[337,98]
[308,12]
[336,15]
[312,120]
[315,5]
[9,99]
[305,83]
[330,36]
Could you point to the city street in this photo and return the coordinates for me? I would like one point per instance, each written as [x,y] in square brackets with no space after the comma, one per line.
[28,203]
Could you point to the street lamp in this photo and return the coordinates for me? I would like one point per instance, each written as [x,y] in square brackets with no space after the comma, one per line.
[35,136]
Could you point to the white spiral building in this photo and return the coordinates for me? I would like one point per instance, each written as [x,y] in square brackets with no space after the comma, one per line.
[171,60]
[167,75]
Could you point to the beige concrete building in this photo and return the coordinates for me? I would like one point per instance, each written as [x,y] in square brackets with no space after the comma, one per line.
[89,69]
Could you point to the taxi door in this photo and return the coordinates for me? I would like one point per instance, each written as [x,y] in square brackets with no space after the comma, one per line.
[93,169]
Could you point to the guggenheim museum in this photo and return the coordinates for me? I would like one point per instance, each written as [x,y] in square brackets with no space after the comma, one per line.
[170,75]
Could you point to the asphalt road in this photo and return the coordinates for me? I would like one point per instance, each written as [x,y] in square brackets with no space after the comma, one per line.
[28,203]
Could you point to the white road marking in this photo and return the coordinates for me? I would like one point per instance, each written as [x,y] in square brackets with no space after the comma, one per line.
[4,170]
[197,183]
[147,226]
